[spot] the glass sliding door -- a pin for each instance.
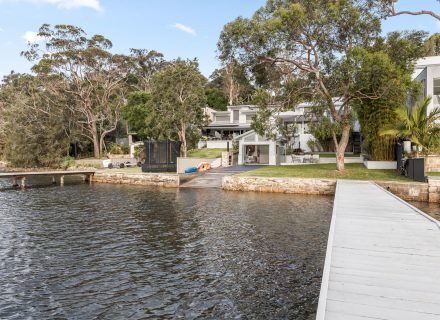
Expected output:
(256, 154)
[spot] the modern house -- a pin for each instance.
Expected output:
(427, 71)
(235, 124)
(225, 126)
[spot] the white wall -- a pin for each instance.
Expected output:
(218, 144)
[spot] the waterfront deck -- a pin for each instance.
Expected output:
(383, 258)
(87, 174)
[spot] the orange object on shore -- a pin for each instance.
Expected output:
(203, 166)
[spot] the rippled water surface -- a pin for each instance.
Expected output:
(433, 209)
(124, 252)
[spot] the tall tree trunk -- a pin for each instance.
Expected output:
(340, 147)
(182, 136)
(103, 135)
(96, 150)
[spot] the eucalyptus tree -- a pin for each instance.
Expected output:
(312, 42)
(177, 100)
(145, 63)
(389, 9)
(89, 73)
(233, 79)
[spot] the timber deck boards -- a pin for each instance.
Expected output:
(383, 258)
(44, 173)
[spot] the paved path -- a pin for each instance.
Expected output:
(383, 258)
(213, 178)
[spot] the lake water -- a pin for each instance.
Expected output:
(432, 209)
(125, 252)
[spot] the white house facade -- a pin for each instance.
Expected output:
(225, 126)
(427, 71)
(235, 124)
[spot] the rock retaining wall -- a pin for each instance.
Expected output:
(432, 164)
(409, 191)
(282, 185)
(143, 179)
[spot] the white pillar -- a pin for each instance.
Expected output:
(62, 181)
(23, 182)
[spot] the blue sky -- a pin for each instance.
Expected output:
(185, 28)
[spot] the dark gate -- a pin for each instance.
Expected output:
(161, 156)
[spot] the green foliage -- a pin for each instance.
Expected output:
(432, 45)
(34, 125)
(323, 130)
(216, 99)
(177, 100)
(314, 145)
(116, 148)
(308, 41)
(67, 162)
(235, 146)
(95, 80)
(417, 125)
(205, 153)
(266, 123)
(233, 81)
(139, 152)
(386, 68)
(137, 112)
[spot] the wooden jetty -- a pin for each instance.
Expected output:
(21, 176)
(383, 258)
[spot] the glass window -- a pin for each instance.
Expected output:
(437, 86)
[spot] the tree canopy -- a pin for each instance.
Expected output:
(315, 44)
(177, 100)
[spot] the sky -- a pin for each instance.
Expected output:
(177, 28)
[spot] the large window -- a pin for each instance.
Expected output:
(436, 90)
(222, 118)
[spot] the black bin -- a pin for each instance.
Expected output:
(416, 169)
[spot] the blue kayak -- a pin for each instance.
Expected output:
(191, 170)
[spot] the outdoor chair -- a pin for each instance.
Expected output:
(296, 158)
(307, 158)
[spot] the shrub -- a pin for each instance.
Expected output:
(116, 149)
(67, 162)
(139, 152)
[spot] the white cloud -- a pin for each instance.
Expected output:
(2, 30)
(65, 4)
(184, 28)
(31, 37)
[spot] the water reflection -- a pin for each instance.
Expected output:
(433, 209)
(107, 251)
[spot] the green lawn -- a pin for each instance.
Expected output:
(354, 171)
(205, 153)
(333, 155)
(433, 174)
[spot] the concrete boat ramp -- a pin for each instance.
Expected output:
(383, 258)
(213, 178)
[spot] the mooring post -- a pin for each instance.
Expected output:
(53, 180)
(23, 182)
(62, 181)
(88, 178)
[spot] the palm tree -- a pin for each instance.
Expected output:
(417, 125)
